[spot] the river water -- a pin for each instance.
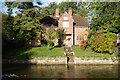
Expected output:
(61, 71)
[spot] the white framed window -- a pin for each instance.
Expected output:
(65, 18)
(65, 24)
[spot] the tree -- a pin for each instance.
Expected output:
(50, 36)
(64, 6)
(103, 42)
(84, 10)
(81, 8)
(20, 5)
(104, 26)
(53, 35)
(77, 8)
(60, 36)
(27, 21)
(27, 25)
(50, 9)
(106, 16)
(7, 26)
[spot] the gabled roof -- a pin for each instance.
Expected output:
(67, 15)
(49, 21)
(79, 20)
(53, 20)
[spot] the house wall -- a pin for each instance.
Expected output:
(67, 29)
(71, 32)
(70, 20)
(80, 31)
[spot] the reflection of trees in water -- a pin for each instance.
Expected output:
(98, 71)
(67, 71)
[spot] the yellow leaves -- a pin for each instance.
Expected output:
(103, 42)
(94, 17)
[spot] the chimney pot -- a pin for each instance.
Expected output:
(70, 11)
(57, 12)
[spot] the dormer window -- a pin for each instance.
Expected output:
(65, 24)
(65, 18)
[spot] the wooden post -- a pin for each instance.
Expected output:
(69, 55)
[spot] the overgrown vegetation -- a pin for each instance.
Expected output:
(103, 42)
(104, 27)
(53, 36)
(26, 25)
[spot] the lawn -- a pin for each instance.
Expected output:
(88, 52)
(57, 51)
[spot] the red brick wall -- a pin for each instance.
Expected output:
(78, 31)
(68, 29)
(60, 25)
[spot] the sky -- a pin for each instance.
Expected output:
(45, 3)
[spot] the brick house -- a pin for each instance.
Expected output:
(73, 24)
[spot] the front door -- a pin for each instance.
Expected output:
(68, 40)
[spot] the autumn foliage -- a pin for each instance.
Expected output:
(103, 42)
(82, 42)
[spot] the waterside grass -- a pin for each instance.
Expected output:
(56, 51)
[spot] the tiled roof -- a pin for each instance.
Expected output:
(79, 20)
(49, 21)
(53, 20)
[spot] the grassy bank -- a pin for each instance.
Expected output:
(57, 51)
(88, 52)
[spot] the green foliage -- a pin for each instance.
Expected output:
(106, 16)
(63, 6)
(80, 8)
(50, 9)
(83, 44)
(28, 24)
(83, 8)
(20, 5)
(60, 36)
(103, 42)
(104, 26)
(50, 36)
(59, 33)
(7, 26)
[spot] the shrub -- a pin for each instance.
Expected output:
(83, 44)
(103, 42)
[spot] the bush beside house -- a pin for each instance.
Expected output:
(103, 42)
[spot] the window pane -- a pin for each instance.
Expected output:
(65, 18)
(65, 24)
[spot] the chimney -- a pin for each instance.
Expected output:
(70, 11)
(57, 12)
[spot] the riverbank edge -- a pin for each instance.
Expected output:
(61, 60)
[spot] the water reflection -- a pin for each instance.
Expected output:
(61, 71)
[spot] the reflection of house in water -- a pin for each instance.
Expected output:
(73, 24)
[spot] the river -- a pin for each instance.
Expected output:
(60, 71)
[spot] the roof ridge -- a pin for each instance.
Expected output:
(81, 17)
